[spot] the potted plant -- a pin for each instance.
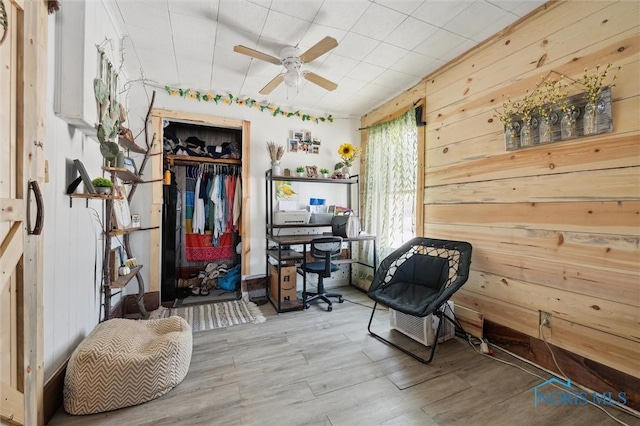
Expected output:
(102, 185)
(300, 171)
(324, 173)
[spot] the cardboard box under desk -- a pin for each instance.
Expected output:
(288, 283)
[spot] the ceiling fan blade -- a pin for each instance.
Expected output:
(255, 54)
(272, 84)
(320, 81)
(319, 49)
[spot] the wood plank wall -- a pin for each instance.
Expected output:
(554, 228)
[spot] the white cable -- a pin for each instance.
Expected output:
(622, 407)
(550, 351)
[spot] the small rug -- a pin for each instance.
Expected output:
(214, 315)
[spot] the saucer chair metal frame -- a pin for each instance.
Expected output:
(443, 267)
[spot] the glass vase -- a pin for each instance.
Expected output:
(545, 130)
(346, 172)
(510, 137)
(526, 136)
(590, 121)
(568, 126)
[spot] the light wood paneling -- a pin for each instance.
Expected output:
(621, 218)
(614, 351)
(610, 151)
(581, 279)
(471, 320)
(616, 318)
(618, 184)
(518, 318)
(618, 252)
(554, 227)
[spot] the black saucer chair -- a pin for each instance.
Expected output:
(325, 249)
(418, 279)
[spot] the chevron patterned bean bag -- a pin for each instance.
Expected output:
(125, 362)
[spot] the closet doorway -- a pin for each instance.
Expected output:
(200, 202)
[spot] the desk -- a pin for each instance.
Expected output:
(281, 253)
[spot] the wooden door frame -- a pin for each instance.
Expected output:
(30, 100)
(155, 240)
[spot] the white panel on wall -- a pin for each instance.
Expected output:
(80, 27)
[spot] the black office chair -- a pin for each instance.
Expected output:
(418, 279)
(325, 248)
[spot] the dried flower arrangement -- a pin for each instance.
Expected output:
(275, 151)
(594, 82)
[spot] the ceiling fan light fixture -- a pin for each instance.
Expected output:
(293, 78)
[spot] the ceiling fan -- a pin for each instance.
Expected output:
(292, 60)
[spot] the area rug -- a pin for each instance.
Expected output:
(214, 315)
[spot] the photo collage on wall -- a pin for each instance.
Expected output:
(302, 141)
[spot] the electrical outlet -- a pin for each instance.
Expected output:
(545, 319)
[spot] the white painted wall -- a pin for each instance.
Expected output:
(73, 246)
(72, 239)
(264, 127)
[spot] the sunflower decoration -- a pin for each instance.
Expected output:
(348, 153)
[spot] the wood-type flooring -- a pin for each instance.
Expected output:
(323, 368)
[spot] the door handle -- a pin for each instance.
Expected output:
(37, 229)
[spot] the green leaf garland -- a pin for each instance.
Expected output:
(230, 99)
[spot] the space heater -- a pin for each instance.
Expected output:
(423, 329)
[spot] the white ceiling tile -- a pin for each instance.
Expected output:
(194, 49)
(195, 8)
(385, 55)
(365, 72)
(440, 12)
(264, 69)
(416, 64)
(228, 37)
(231, 61)
(306, 9)
(284, 28)
(403, 6)
(159, 66)
(146, 39)
(378, 22)
(462, 48)
(396, 80)
(177, 41)
(192, 28)
(526, 7)
(226, 80)
(517, 7)
(355, 46)
(340, 14)
(242, 15)
(341, 65)
(155, 18)
(377, 92)
(495, 27)
(316, 32)
(410, 33)
(194, 74)
(358, 105)
(440, 44)
(467, 23)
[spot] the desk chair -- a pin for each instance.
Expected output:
(324, 248)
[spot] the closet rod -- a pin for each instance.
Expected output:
(185, 160)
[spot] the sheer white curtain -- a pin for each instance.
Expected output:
(390, 180)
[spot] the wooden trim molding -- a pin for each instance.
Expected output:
(584, 371)
(151, 302)
(53, 392)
